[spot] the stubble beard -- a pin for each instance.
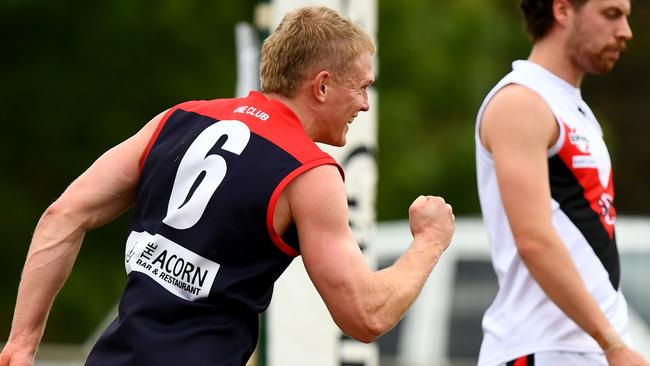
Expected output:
(597, 62)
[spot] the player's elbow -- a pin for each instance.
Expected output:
(55, 212)
(62, 210)
(366, 329)
(373, 328)
(529, 246)
(364, 338)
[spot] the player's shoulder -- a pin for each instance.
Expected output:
(517, 112)
(321, 178)
(316, 195)
(322, 174)
(517, 96)
(516, 102)
(200, 104)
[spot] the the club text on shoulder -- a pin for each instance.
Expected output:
(252, 111)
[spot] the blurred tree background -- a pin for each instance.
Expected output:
(79, 77)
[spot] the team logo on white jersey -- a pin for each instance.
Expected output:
(594, 154)
(581, 141)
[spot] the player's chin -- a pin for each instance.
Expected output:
(603, 68)
(604, 65)
(340, 142)
(341, 139)
(337, 141)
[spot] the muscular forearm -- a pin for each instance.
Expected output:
(99, 195)
(388, 293)
(52, 253)
(363, 303)
(408, 275)
(394, 289)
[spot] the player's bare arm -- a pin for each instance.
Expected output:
(363, 303)
(518, 128)
(95, 198)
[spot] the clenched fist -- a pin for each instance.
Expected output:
(431, 220)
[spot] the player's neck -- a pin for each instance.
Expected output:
(552, 55)
(301, 109)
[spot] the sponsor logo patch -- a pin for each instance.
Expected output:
(177, 269)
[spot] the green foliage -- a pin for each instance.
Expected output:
(437, 60)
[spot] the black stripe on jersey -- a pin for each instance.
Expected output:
(567, 191)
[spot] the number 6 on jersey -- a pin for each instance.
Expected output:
(202, 172)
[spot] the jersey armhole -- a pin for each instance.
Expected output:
(275, 237)
(553, 150)
(477, 133)
(557, 145)
(154, 137)
(480, 148)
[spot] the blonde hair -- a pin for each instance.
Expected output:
(307, 40)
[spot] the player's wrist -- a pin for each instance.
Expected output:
(608, 339)
(428, 245)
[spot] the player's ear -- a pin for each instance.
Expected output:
(562, 11)
(321, 84)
